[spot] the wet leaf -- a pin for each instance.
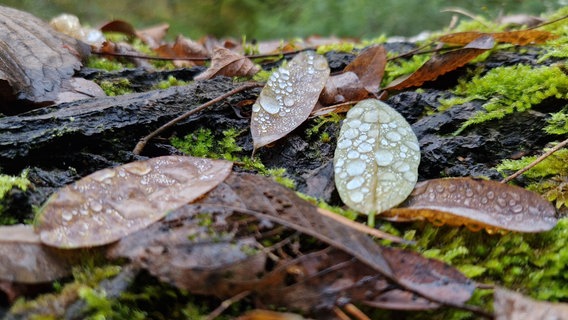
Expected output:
(228, 63)
(26, 260)
(519, 37)
(376, 159)
(240, 194)
(443, 63)
(288, 98)
(476, 204)
(369, 66)
(509, 305)
(112, 203)
(35, 58)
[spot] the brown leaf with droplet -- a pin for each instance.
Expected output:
(443, 63)
(476, 204)
(288, 98)
(519, 37)
(112, 203)
(510, 305)
(369, 66)
(26, 260)
(35, 58)
(228, 63)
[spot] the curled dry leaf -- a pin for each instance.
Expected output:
(183, 48)
(376, 159)
(509, 305)
(476, 204)
(444, 63)
(341, 88)
(519, 37)
(35, 58)
(25, 259)
(369, 66)
(228, 63)
(111, 203)
(288, 98)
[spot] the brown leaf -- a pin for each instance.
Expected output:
(183, 48)
(509, 305)
(444, 63)
(519, 37)
(119, 26)
(78, 89)
(26, 259)
(112, 203)
(259, 314)
(476, 204)
(341, 88)
(288, 98)
(153, 36)
(369, 66)
(35, 58)
(228, 63)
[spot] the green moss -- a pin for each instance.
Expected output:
(170, 82)
(511, 89)
(7, 183)
(558, 122)
(203, 143)
(107, 64)
(549, 177)
(401, 67)
(321, 122)
(116, 88)
(341, 46)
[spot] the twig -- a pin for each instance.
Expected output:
(356, 312)
(537, 161)
(142, 143)
(227, 303)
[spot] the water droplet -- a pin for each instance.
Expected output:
(469, 192)
(365, 147)
(490, 195)
(355, 183)
(96, 206)
(383, 157)
(288, 101)
(371, 116)
(517, 209)
(344, 143)
(102, 175)
(356, 196)
(351, 134)
(393, 136)
(355, 168)
(67, 216)
(138, 168)
(271, 108)
(352, 154)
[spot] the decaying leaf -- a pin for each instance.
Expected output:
(26, 260)
(509, 305)
(183, 48)
(444, 63)
(35, 58)
(111, 203)
(476, 204)
(369, 66)
(209, 247)
(519, 37)
(376, 159)
(288, 98)
(228, 63)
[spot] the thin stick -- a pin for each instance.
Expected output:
(142, 143)
(227, 303)
(356, 312)
(537, 161)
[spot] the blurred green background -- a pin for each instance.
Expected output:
(270, 19)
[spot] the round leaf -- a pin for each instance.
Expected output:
(111, 203)
(376, 159)
(288, 98)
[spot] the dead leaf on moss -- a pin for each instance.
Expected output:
(476, 204)
(35, 58)
(341, 88)
(183, 48)
(26, 259)
(519, 37)
(443, 63)
(509, 305)
(228, 63)
(112, 203)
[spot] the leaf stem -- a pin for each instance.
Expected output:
(537, 161)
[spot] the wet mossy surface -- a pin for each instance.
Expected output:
(488, 147)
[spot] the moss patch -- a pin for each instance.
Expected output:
(7, 183)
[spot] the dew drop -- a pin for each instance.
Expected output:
(271, 108)
(365, 147)
(383, 157)
(393, 136)
(355, 168)
(517, 209)
(352, 154)
(138, 168)
(356, 196)
(351, 134)
(355, 183)
(371, 116)
(67, 216)
(96, 206)
(288, 101)
(102, 175)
